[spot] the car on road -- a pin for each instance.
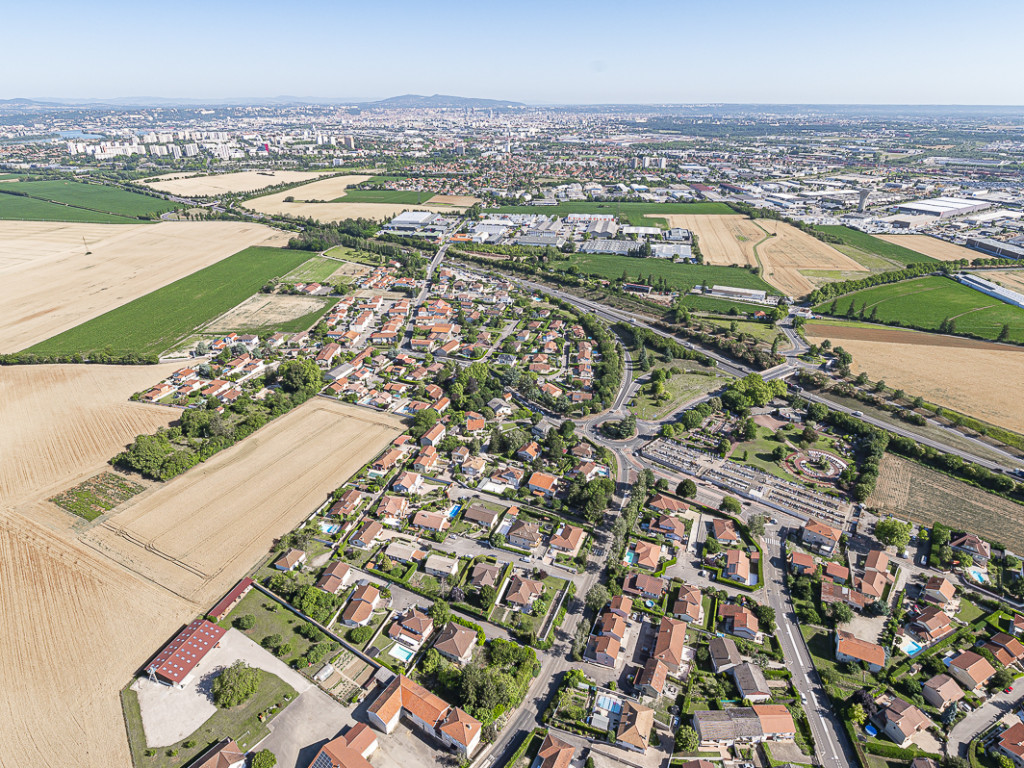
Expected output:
(525, 559)
(1008, 689)
(803, 698)
(857, 413)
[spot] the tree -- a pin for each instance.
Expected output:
(765, 618)
(235, 684)
(1002, 679)
(855, 714)
(271, 641)
(893, 533)
(756, 525)
(301, 375)
(359, 635)
(487, 594)
(686, 489)
(808, 436)
(712, 547)
(842, 613)
(423, 421)
(439, 612)
(730, 505)
(1004, 761)
(596, 597)
(687, 739)
(248, 621)
(264, 759)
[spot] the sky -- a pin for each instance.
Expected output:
(553, 52)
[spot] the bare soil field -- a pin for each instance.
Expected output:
(75, 628)
(465, 200)
(901, 336)
(790, 251)
(51, 280)
(932, 246)
(332, 189)
(970, 379)
(263, 310)
(914, 492)
(723, 240)
(219, 184)
(1008, 278)
(61, 423)
(198, 533)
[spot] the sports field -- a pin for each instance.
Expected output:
(16, 207)
(156, 321)
(55, 276)
(680, 277)
(932, 247)
(863, 245)
(96, 197)
(638, 214)
(223, 183)
(926, 302)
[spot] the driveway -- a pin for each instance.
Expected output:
(312, 720)
(975, 722)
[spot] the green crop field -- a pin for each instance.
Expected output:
(680, 277)
(872, 246)
(636, 213)
(16, 207)
(393, 196)
(317, 269)
(926, 301)
(95, 197)
(156, 321)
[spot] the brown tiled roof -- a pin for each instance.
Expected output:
(976, 666)
(668, 647)
(403, 693)
(555, 753)
(862, 650)
(523, 591)
(455, 640)
(460, 726)
(775, 718)
(635, 724)
(654, 674)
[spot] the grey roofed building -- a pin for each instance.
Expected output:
(541, 240)
(603, 245)
(751, 682)
(740, 724)
(724, 653)
(671, 250)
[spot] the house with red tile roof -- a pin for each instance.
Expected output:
(426, 711)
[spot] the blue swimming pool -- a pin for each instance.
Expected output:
(454, 511)
(979, 574)
(910, 647)
(630, 557)
(330, 528)
(401, 653)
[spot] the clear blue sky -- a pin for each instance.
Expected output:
(893, 52)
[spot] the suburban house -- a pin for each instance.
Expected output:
(529, 452)
(554, 753)
(613, 625)
(522, 592)
(941, 691)
(435, 522)
(524, 535)
(901, 721)
(876, 561)
(385, 463)
(290, 560)
(651, 678)
(670, 643)
(481, 515)
(646, 554)
(724, 531)
(1011, 743)
(543, 483)
(403, 552)
(824, 537)
(411, 628)
(979, 550)
(659, 502)
(426, 711)
(352, 750)
(361, 606)
(393, 510)
(751, 683)
(567, 538)
(840, 574)
(854, 650)
(837, 593)
(621, 605)
(334, 577)
(670, 527)
(931, 624)
(367, 534)
(724, 654)
(1012, 649)
(603, 649)
(971, 670)
(347, 504)
(739, 620)
(456, 643)
(635, 725)
(939, 590)
(440, 566)
(802, 563)
(485, 575)
(474, 466)
(224, 754)
(689, 605)
(408, 482)
(737, 567)
(427, 460)
(644, 585)
(744, 725)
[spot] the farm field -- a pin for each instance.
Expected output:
(50, 283)
(862, 243)
(264, 312)
(199, 532)
(1008, 278)
(925, 302)
(680, 277)
(638, 214)
(15, 207)
(317, 269)
(464, 200)
(224, 183)
(723, 240)
(932, 247)
(155, 322)
(911, 491)
(394, 196)
(789, 252)
(970, 380)
(96, 197)
(61, 423)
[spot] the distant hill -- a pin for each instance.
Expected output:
(437, 101)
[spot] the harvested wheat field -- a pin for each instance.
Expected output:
(198, 533)
(221, 183)
(50, 280)
(908, 490)
(932, 246)
(723, 240)
(1008, 278)
(61, 423)
(464, 200)
(75, 628)
(789, 252)
(265, 310)
(970, 379)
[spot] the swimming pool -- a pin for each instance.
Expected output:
(630, 557)
(910, 647)
(330, 528)
(979, 574)
(609, 704)
(401, 653)
(454, 511)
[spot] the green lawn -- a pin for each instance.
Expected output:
(158, 320)
(317, 269)
(16, 207)
(925, 302)
(680, 388)
(393, 196)
(271, 619)
(350, 254)
(968, 611)
(638, 214)
(760, 331)
(872, 245)
(96, 197)
(240, 723)
(759, 455)
(680, 277)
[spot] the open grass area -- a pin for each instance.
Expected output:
(241, 723)
(394, 196)
(679, 389)
(351, 254)
(867, 244)
(271, 619)
(20, 208)
(158, 320)
(636, 213)
(317, 269)
(926, 302)
(679, 277)
(96, 197)
(759, 454)
(760, 331)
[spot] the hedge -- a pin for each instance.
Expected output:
(883, 749)
(481, 638)
(527, 741)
